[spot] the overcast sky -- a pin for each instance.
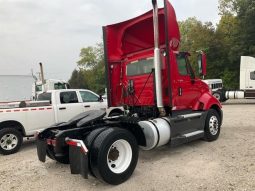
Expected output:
(54, 31)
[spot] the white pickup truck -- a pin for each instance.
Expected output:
(25, 121)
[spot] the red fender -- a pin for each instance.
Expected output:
(206, 101)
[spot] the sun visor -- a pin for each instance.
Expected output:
(136, 34)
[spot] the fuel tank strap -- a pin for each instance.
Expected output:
(157, 132)
(166, 121)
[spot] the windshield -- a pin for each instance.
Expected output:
(44, 97)
(38, 88)
(184, 66)
(139, 67)
(58, 86)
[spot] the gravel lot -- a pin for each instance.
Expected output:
(226, 164)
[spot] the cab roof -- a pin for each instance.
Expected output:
(136, 34)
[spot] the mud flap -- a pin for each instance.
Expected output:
(78, 161)
(84, 166)
(41, 149)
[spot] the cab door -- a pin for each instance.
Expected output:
(251, 79)
(187, 88)
(68, 106)
(92, 101)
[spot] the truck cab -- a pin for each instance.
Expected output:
(136, 82)
(131, 74)
(51, 84)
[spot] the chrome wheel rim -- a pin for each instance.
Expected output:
(9, 142)
(119, 156)
(213, 125)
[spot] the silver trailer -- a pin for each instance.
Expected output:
(247, 83)
(16, 87)
(247, 80)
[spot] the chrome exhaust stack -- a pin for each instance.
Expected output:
(157, 65)
(42, 73)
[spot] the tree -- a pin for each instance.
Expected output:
(73, 81)
(237, 32)
(246, 15)
(228, 7)
(91, 70)
(228, 33)
(202, 36)
(78, 80)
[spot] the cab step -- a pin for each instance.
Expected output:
(185, 117)
(188, 137)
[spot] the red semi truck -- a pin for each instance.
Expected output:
(163, 100)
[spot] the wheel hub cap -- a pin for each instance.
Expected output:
(119, 156)
(8, 142)
(213, 125)
(113, 154)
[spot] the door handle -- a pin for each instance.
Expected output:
(180, 91)
(86, 105)
(62, 108)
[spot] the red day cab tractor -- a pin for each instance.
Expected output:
(164, 102)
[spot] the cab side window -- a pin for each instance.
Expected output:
(88, 96)
(252, 75)
(182, 65)
(68, 97)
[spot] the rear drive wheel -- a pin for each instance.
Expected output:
(212, 125)
(89, 140)
(114, 155)
(10, 141)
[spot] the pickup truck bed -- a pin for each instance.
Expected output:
(62, 105)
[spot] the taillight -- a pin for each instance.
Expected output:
(77, 143)
(52, 142)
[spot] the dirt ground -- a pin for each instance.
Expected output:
(226, 164)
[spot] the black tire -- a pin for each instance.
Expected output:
(49, 154)
(218, 95)
(212, 125)
(106, 145)
(12, 138)
(223, 95)
(89, 140)
(61, 159)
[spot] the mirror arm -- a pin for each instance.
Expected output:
(100, 98)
